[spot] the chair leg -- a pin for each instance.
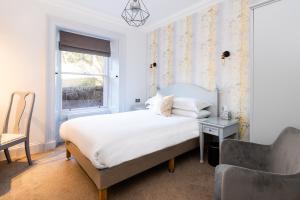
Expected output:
(27, 149)
(7, 155)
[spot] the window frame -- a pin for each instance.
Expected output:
(105, 75)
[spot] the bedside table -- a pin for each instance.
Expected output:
(138, 107)
(217, 127)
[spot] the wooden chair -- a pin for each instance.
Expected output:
(17, 123)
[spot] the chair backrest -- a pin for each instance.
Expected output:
(19, 113)
(286, 152)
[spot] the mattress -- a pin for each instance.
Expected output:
(112, 139)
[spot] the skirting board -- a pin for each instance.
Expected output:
(18, 151)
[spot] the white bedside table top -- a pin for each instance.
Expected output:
(218, 122)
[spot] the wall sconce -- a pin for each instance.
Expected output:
(225, 55)
(153, 65)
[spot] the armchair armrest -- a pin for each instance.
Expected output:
(236, 183)
(245, 154)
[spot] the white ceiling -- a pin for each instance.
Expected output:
(159, 9)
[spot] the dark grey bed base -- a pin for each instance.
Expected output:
(105, 178)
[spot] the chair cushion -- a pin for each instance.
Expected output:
(7, 138)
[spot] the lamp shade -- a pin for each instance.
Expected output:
(135, 13)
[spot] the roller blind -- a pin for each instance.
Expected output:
(84, 44)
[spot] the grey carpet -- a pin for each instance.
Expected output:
(52, 177)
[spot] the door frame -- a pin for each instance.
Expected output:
(254, 4)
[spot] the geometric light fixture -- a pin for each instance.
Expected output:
(135, 13)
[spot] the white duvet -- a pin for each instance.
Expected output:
(109, 140)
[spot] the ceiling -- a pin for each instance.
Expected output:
(159, 9)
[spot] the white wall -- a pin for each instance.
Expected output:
(24, 38)
(276, 70)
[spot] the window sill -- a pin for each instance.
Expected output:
(71, 114)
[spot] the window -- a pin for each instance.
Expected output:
(84, 71)
(84, 79)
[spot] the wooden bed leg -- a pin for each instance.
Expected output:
(103, 194)
(68, 154)
(171, 165)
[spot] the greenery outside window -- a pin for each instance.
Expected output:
(84, 80)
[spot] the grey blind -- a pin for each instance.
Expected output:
(84, 44)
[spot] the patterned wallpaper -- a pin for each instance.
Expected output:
(189, 51)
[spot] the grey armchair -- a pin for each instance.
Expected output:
(250, 171)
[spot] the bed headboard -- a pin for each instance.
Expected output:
(194, 91)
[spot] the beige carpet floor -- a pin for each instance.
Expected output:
(53, 178)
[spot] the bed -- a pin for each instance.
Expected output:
(122, 145)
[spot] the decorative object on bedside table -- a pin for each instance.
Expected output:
(218, 127)
(138, 107)
(226, 114)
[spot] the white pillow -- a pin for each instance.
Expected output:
(190, 104)
(151, 101)
(200, 115)
(162, 105)
(155, 103)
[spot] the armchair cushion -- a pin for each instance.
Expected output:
(240, 183)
